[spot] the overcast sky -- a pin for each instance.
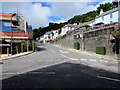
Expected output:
(39, 14)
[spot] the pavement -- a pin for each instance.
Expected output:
(91, 54)
(52, 67)
(64, 75)
(15, 56)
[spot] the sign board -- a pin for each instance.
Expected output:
(81, 35)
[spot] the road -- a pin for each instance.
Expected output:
(51, 67)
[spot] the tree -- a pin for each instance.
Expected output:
(115, 3)
(86, 26)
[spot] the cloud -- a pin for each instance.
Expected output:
(36, 14)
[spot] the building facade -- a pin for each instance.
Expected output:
(14, 35)
(110, 16)
(66, 28)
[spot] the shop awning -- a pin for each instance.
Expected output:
(4, 44)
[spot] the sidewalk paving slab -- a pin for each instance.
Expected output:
(15, 56)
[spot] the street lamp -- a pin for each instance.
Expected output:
(12, 30)
(119, 23)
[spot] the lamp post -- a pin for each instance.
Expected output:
(12, 30)
(119, 24)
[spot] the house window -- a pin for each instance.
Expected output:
(111, 15)
(111, 21)
(103, 18)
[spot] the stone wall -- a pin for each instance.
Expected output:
(93, 37)
(99, 38)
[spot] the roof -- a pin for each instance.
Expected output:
(69, 25)
(108, 12)
(47, 33)
(86, 23)
(6, 16)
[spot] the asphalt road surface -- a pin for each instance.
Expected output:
(51, 67)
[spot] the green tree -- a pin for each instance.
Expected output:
(86, 26)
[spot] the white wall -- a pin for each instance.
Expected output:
(107, 19)
(115, 16)
(98, 20)
(65, 29)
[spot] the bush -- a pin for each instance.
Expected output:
(116, 33)
(76, 45)
(101, 50)
(86, 26)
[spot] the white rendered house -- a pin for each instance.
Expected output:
(66, 28)
(107, 17)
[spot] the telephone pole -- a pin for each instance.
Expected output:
(119, 24)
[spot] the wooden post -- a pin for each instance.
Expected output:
(27, 46)
(33, 45)
(8, 51)
(21, 46)
(16, 49)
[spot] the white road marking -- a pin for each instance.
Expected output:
(114, 62)
(103, 61)
(63, 51)
(106, 61)
(108, 78)
(93, 60)
(83, 59)
(74, 58)
(53, 51)
(69, 57)
(64, 55)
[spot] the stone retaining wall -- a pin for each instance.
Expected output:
(93, 37)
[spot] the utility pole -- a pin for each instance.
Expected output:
(119, 13)
(119, 24)
(82, 37)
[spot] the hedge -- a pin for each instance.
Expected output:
(76, 45)
(101, 50)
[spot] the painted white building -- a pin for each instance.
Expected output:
(41, 38)
(48, 36)
(91, 23)
(66, 28)
(55, 33)
(107, 17)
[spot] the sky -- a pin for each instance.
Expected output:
(40, 14)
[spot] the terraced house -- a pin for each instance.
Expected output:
(15, 35)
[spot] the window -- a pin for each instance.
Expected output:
(7, 24)
(103, 18)
(111, 15)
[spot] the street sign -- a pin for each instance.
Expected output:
(81, 35)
